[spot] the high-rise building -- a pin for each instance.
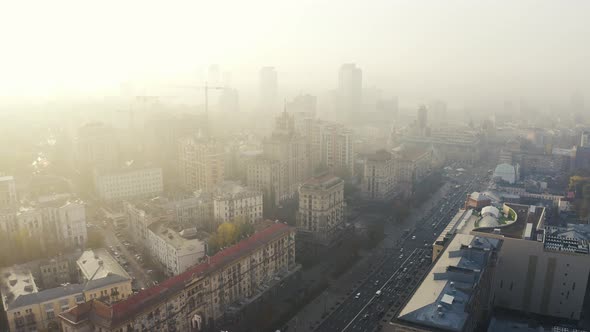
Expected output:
(321, 209)
(584, 139)
(378, 182)
(288, 147)
(267, 175)
(268, 89)
(350, 87)
(201, 163)
(422, 121)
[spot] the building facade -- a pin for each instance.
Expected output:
(321, 214)
(232, 201)
(54, 220)
(198, 299)
(29, 308)
(378, 182)
(129, 182)
(201, 163)
(267, 176)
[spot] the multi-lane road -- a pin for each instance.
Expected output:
(383, 292)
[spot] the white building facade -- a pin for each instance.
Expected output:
(129, 183)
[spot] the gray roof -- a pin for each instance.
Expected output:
(46, 295)
(440, 301)
(105, 281)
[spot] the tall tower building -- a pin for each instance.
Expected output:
(268, 89)
(350, 87)
(201, 163)
(422, 121)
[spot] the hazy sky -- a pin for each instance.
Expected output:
(431, 49)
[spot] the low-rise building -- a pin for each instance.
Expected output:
(128, 182)
(477, 201)
(196, 300)
(175, 251)
(31, 308)
(50, 220)
(456, 293)
(233, 201)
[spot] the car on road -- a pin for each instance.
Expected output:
(376, 282)
(378, 293)
(413, 237)
(357, 296)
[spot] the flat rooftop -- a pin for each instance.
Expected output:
(441, 300)
(173, 238)
(98, 263)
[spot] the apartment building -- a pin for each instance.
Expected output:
(196, 300)
(176, 251)
(378, 182)
(128, 182)
(233, 201)
(172, 244)
(411, 165)
(267, 175)
(7, 191)
(201, 163)
(57, 219)
(34, 306)
(290, 149)
(321, 214)
(337, 147)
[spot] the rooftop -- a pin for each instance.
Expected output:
(325, 181)
(16, 282)
(231, 189)
(188, 243)
(572, 238)
(146, 298)
(98, 263)
(379, 155)
(442, 299)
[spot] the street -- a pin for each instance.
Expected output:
(398, 267)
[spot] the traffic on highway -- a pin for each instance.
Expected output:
(398, 271)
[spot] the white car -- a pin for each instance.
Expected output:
(378, 293)
(413, 237)
(357, 296)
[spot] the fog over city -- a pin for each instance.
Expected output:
(328, 166)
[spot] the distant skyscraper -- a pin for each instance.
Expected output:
(584, 140)
(350, 87)
(268, 89)
(422, 119)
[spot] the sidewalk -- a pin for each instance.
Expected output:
(314, 312)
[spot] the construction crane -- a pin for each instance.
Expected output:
(143, 100)
(205, 89)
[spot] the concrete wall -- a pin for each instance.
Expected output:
(530, 279)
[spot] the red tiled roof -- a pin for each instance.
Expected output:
(153, 295)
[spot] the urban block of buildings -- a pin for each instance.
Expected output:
(221, 287)
(58, 220)
(36, 293)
